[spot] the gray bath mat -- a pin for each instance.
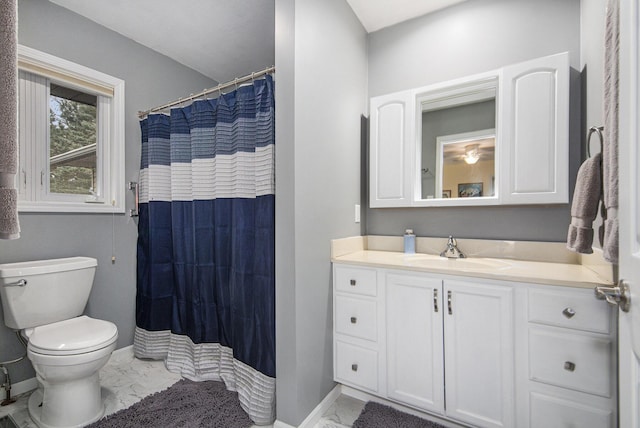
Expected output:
(184, 404)
(376, 415)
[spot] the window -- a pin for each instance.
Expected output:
(71, 127)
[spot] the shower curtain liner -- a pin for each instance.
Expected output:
(206, 271)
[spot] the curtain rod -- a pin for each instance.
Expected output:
(235, 82)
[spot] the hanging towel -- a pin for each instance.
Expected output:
(9, 227)
(610, 147)
(584, 207)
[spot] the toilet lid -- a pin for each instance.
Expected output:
(74, 336)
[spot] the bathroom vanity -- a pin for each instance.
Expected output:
(482, 341)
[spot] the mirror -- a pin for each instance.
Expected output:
(457, 146)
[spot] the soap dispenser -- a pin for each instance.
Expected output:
(409, 242)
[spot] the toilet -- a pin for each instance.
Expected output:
(45, 300)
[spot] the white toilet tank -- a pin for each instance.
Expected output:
(45, 291)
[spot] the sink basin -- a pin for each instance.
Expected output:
(436, 262)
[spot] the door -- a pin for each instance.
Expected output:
(415, 372)
(629, 214)
(392, 142)
(534, 131)
(478, 331)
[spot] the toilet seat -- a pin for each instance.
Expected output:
(74, 336)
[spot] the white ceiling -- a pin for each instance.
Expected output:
(224, 39)
(377, 14)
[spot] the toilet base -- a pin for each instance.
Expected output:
(69, 405)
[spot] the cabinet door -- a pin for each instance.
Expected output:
(478, 331)
(392, 146)
(534, 131)
(415, 373)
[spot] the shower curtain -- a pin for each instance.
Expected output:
(206, 271)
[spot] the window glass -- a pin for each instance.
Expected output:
(71, 133)
(72, 141)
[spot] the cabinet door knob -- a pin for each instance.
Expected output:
(352, 282)
(569, 366)
(354, 367)
(568, 312)
(353, 320)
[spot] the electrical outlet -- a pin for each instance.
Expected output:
(357, 213)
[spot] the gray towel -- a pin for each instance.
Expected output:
(610, 147)
(584, 207)
(9, 228)
(8, 89)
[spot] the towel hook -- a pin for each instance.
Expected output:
(598, 130)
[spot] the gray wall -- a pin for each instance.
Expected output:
(592, 70)
(322, 91)
(450, 121)
(468, 38)
(150, 79)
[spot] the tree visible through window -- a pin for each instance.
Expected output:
(72, 137)
(71, 133)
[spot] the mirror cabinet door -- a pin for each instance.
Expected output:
(500, 137)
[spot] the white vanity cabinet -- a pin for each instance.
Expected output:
(568, 372)
(479, 353)
(458, 330)
(356, 311)
(483, 352)
(415, 359)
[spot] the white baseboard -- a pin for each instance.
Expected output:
(125, 350)
(314, 417)
(21, 387)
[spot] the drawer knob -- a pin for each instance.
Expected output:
(352, 282)
(569, 366)
(354, 320)
(354, 367)
(568, 312)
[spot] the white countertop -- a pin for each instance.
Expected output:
(565, 274)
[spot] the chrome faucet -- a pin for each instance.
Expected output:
(452, 250)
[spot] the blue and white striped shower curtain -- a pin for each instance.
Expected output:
(206, 271)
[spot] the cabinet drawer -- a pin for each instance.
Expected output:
(572, 309)
(356, 280)
(554, 412)
(356, 366)
(356, 317)
(575, 361)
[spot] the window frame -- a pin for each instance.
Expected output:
(34, 195)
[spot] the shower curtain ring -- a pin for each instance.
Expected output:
(235, 83)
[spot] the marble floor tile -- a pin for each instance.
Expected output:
(342, 413)
(126, 380)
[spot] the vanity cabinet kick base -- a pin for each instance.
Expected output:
(495, 344)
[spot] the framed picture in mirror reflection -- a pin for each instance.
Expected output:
(469, 190)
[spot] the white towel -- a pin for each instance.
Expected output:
(610, 147)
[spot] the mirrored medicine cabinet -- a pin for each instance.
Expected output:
(499, 137)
